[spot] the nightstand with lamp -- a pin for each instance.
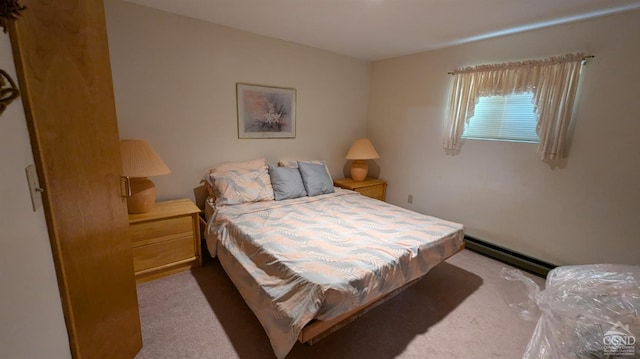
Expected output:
(362, 150)
(165, 236)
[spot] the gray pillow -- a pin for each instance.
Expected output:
(286, 183)
(315, 178)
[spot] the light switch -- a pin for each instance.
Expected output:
(34, 187)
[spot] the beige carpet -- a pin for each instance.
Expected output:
(457, 311)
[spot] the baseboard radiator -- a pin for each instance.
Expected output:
(508, 256)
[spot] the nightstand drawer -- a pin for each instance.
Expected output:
(165, 240)
(373, 192)
(145, 233)
(163, 253)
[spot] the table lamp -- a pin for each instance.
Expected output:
(361, 150)
(140, 161)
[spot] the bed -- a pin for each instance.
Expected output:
(308, 265)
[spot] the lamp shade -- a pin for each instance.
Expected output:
(362, 149)
(140, 160)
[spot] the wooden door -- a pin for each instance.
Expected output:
(60, 51)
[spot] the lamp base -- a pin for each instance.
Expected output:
(143, 195)
(359, 170)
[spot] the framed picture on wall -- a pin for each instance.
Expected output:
(266, 111)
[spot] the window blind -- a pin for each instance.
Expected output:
(503, 118)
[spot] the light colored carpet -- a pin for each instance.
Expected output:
(457, 311)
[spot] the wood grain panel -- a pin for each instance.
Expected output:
(167, 252)
(159, 239)
(149, 232)
(373, 192)
(177, 207)
(60, 51)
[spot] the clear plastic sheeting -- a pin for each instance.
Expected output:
(585, 311)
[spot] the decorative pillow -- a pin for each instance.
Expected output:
(286, 182)
(207, 180)
(241, 186)
(315, 178)
(294, 164)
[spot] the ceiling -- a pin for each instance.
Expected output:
(379, 29)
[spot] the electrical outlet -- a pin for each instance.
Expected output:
(410, 199)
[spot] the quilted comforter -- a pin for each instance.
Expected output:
(318, 257)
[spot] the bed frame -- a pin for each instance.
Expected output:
(316, 330)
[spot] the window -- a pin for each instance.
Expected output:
(553, 82)
(503, 118)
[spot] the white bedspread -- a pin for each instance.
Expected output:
(319, 257)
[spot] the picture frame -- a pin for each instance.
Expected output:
(266, 111)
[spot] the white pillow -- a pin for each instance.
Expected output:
(242, 186)
(208, 181)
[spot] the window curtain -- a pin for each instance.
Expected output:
(553, 82)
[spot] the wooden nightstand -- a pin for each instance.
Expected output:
(370, 187)
(165, 240)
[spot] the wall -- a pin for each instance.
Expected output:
(175, 77)
(30, 308)
(586, 212)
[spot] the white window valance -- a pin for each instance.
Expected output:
(553, 82)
